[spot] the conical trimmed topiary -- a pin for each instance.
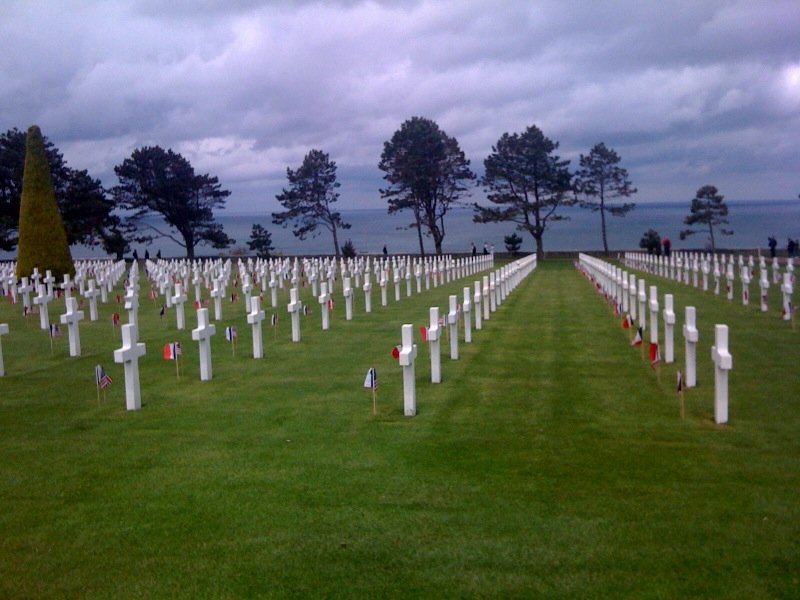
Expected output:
(42, 239)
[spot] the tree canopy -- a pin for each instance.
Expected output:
(42, 239)
(527, 182)
(310, 198)
(260, 241)
(86, 210)
(427, 173)
(600, 179)
(651, 241)
(708, 209)
(154, 181)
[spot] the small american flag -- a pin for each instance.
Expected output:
(101, 378)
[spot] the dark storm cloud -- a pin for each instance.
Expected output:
(688, 92)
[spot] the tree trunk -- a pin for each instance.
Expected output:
(539, 246)
(419, 232)
(188, 239)
(711, 235)
(335, 240)
(603, 223)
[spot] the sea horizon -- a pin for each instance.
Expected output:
(752, 221)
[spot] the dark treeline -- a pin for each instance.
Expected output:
(525, 183)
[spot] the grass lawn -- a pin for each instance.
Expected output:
(550, 462)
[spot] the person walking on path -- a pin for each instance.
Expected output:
(772, 243)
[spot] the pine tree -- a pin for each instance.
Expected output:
(42, 238)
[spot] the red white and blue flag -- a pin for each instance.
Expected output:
(371, 380)
(230, 333)
(172, 351)
(101, 378)
(637, 339)
(655, 354)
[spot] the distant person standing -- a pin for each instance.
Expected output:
(667, 246)
(773, 244)
(385, 251)
(790, 248)
(474, 249)
(486, 248)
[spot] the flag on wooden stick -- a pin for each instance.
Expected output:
(371, 382)
(655, 354)
(637, 339)
(101, 378)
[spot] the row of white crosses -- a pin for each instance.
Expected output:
(614, 283)
(490, 292)
(72, 317)
(679, 264)
(217, 274)
(273, 273)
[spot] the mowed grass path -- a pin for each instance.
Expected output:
(551, 461)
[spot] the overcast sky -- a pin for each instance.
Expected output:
(688, 93)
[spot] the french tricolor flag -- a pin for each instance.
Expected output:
(655, 355)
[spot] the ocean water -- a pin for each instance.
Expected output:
(751, 221)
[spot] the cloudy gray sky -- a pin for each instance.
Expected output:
(688, 92)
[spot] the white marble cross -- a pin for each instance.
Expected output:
(129, 356)
(776, 271)
(217, 293)
(294, 307)
(323, 299)
(196, 283)
(396, 286)
(202, 334)
(132, 305)
(654, 315)
(367, 293)
(42, 299)
(408, 354)
(669, 329)
(492, 291)
(787, 289)
(745, 285)
(452, 323)
(485, 297)
(255, 317)
(435, 345)
(92, 293)
(347, 292)
(247, 290)
(383, 288)
(691, 337)
(763, 283)
(67, 286)
(705, 269)
(632, 293)
(476, 299)
(3, 331)
(467, 308)
(49, 280)
(642, 297)
(71, 319)
(729, 279)
(25, 290)
(273, 288)
(179, 300)
(723, 362)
